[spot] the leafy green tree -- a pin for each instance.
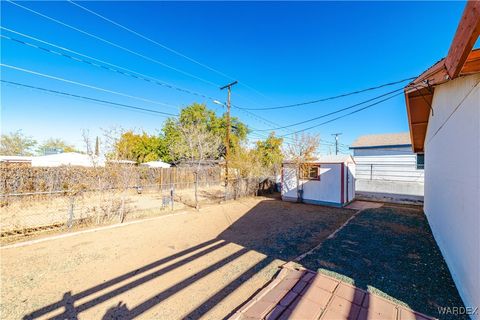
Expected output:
(16, 144)
(199, 114)
(55, 143)
(270, 152)
(139, 147)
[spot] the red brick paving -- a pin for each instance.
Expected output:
(306, 295)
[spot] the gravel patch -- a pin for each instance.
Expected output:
(390, 251)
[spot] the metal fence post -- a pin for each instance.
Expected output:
(122, 208)
(172, 190)
(70, 212)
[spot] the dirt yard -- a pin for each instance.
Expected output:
(29, 212)
(188, 265)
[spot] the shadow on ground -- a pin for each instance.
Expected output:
(277, 229)
(390, 249)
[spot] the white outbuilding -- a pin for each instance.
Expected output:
(156, 164)
(330, 180)
(67, 159)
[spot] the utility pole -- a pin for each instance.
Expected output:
(336, 141)
(227, 139)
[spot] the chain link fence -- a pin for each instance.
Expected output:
(33, 200)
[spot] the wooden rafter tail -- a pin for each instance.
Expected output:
(465, 37)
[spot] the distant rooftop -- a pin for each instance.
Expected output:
(382, 140)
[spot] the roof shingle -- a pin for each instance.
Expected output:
(381, 140)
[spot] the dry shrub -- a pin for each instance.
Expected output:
(21, 179)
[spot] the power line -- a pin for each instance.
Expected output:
(84, 85)
(345, 115)
(164, 46)
(90, 98)
(339, 110)
(292, 141)
(151, 40)
(117, 69)
(333, 97)
(114, 44)
(262, 119)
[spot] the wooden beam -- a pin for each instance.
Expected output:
(420, 123)
(465, 37)
(473, 63)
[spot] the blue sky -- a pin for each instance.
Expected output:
(288, 52)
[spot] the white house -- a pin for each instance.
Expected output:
(66, 159)
(443, 106)
(387, 168)
(156, 164)
(329, 181)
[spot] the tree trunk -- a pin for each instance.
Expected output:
(197, 207)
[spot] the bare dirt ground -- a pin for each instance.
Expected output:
(191, 265)
(30, 212)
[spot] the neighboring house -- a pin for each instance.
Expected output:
(66, 159)
(387, 168)
(156, 164)
(443, 106)
(329, 181)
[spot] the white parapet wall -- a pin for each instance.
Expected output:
(452, 181)
(389, 174)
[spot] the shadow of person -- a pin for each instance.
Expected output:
(120, 311)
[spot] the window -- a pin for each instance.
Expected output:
(420, 161)
(310, 172)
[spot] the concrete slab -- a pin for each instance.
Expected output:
(362, 205)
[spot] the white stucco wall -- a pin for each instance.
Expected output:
(452, 181)
(327, 189)
(350, 170)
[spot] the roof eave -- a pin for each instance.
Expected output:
(460, 61)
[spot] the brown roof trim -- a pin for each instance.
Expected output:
(460, 61)
(419, 96)
(465, 37)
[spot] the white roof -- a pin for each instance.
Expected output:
(15, 159)
(336, 158)
(67, 159)
(156, 164)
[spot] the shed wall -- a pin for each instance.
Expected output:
(327, 190)
(452, 181)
